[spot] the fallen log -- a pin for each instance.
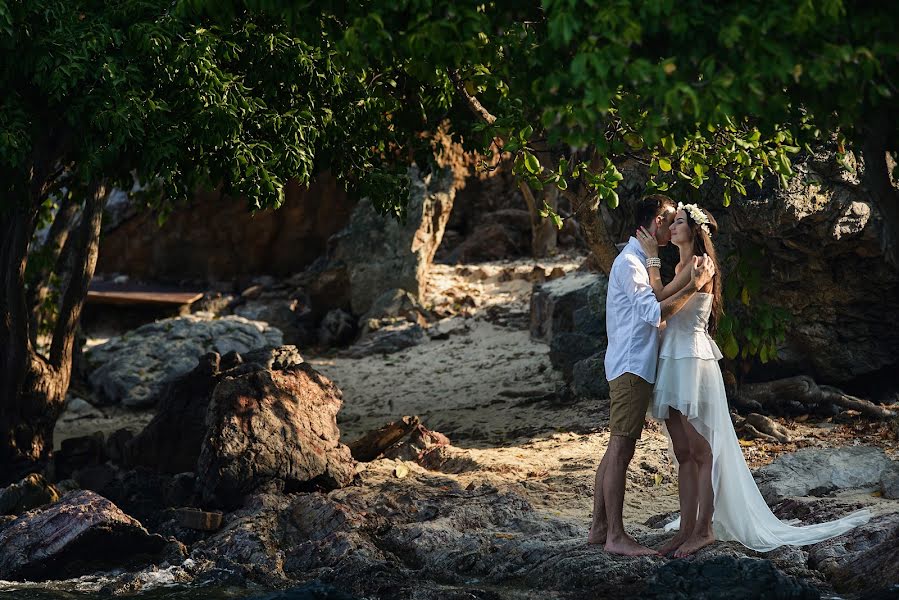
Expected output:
(371, 445)
(784, 395)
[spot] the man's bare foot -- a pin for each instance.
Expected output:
(693, 544)
(596, 536)
(674, 543)
(628, 546)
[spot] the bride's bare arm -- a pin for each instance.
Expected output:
(651, 248)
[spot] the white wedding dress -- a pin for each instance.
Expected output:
(689, 379)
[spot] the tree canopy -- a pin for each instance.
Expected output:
(708, 89)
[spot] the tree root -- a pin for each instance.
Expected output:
(801, 394)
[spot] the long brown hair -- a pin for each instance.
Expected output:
(702, 244)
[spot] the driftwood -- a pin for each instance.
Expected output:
(756, 426)
(372, 444)
(802, 394)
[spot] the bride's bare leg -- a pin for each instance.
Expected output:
(701, 534)
(687, 480)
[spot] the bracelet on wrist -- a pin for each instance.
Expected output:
(654, 262)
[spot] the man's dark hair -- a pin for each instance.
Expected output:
(650, 207)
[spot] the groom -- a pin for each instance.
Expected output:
(633, 317)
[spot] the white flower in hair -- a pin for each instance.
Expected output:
(697, 215)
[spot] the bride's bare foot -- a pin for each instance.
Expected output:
(694, 543)
(674, 543)
(628, 546)
(596, 536)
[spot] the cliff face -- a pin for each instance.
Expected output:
(217, 238)
(823, 247)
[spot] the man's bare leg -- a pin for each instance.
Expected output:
(619, 454)
(599, 525)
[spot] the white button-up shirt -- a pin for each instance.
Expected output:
(633, 316)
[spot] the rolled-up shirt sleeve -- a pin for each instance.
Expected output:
(634, 280)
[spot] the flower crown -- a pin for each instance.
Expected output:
(697, 215)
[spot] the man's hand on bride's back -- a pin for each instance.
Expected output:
(702, 271)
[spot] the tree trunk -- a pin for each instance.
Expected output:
(876, 179)
(544, 234)
(33, 387)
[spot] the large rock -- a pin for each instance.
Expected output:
(822, 470)
(428, 538)
(219, 239)
(81, 533)
(272, 426)
(171, 442)
(863, 559)
(380, 253)
(588, 377)
(31, 492)
(569, 313)
(725, 578)
(554, 303)
(134, 368)
(492, 241)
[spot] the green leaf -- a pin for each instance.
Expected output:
(531, 162)
(612, 199)
(744, 296)
(730, 349)
(557, 220)
(665, 164)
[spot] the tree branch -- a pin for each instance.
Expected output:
(84, 261)
(473, 103)
(38, 287)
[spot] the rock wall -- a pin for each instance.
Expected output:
(823, 264)
(217, 238)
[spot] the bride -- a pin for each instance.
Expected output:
(718, 496)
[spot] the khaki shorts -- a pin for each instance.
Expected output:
(630, 396)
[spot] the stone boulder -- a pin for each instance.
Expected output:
(491, 241)
(134, 368)
(171, 442)
(379, 253)
(588, 377)
(554, 303)
(31, 492)
(725, 578)
(291, 316)
(217, 238)
(267, 426)
(569, 313)
(824, 265)
(338, 328)
(811, 471)
(429, 538)
(864, 559)
(391, 305)
(81, 533)
(390, 337)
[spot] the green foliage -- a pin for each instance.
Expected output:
(109, 91)
(750, 328)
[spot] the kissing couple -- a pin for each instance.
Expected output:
(662, 362)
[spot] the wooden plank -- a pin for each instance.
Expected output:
(124, 297)
(137, 294)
